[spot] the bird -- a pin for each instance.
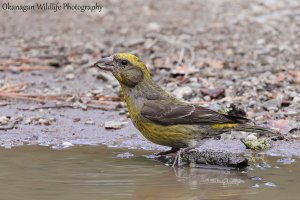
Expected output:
(164, 119)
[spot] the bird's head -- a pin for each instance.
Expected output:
(128, 69)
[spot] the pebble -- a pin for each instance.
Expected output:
(89, 122)
(53, 62)
(114, 124)
(44, 122)
(273, 104)
(214, 93)
(207, 98)
(183, 92)
(4, 120)
(68, 68)
(153, 27)
(27, 121)
(251, 137)
(67, 144)
(70, 76)
(77, 119)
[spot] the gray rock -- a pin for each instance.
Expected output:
(89, 122)
(4, 120)
(114, 124)
(183, 92)
(69, 68)
(195, 158)
(70, 76)
(153, 27)
(273, 104)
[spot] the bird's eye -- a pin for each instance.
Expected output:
(124, 62)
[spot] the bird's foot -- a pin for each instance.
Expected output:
(162, 153)
(178, 156)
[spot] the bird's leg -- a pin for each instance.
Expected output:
(162, 153)
(177, 160)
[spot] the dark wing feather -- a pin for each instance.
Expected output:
(164, 112)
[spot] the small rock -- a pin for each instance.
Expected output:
(273, 104)
(53, 62)
(183, 92)
(97, 91)
(77, 119)
(27, 121)
(251, 137)
(89, 122)
(207, 98)
(78, 104)
(114, 124)
(68, 68)
(123, 111)
(4, 120)
(44, 122)
(67, 144)
(70, 76)
(296, 137)
(153, 27)
(214, 93)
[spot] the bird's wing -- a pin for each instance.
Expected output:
(169, 113)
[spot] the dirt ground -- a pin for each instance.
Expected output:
(212, 53)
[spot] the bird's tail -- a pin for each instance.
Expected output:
(261, 131)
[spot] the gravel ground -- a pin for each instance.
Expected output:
(215, 53)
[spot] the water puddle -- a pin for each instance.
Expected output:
(106, 173)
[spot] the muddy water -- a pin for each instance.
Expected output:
(102, 173)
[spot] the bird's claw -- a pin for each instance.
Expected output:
(177, 160)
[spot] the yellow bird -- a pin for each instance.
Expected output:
(162, 118)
